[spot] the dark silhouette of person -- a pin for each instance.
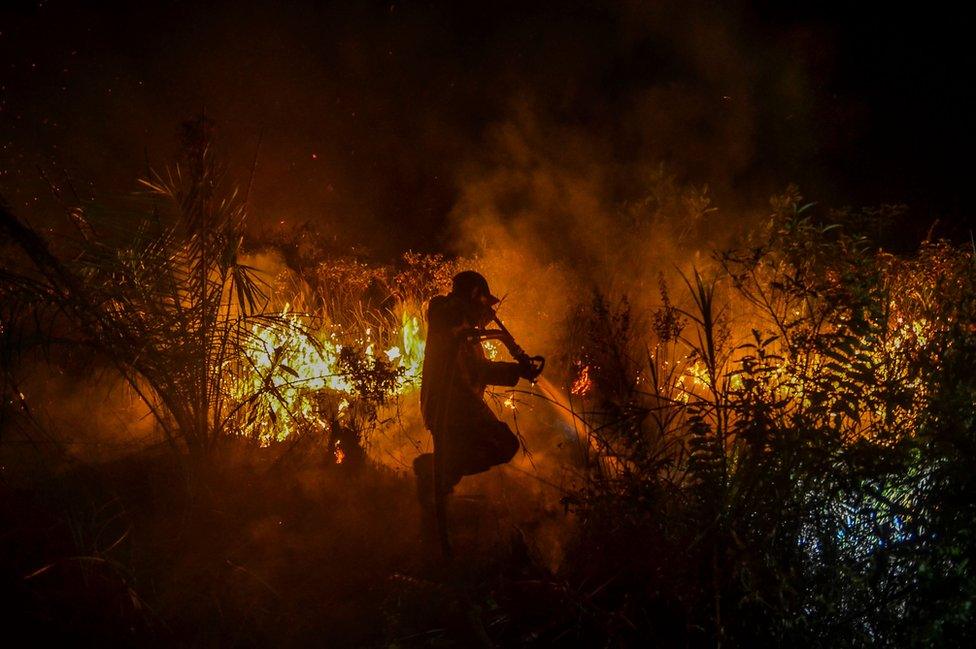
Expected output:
(468, 438)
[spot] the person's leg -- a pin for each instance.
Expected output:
(487, 444)
(448, 448)
(503, 445)
(442, 466)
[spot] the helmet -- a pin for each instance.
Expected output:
(468, 281)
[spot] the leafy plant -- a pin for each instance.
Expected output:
(161, 293)
(804, 457)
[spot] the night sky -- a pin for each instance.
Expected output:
(372, 117)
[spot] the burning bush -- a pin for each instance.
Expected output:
(166, 297)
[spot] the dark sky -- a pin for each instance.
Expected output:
(373, 116)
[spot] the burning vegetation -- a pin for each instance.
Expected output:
(774, 447)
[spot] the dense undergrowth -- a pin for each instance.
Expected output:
(788, 460)
(780, 453)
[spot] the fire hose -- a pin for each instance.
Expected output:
(535, 364)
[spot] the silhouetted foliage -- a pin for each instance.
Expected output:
(798, 475)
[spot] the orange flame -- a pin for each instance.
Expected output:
(583, 383)
(291, 366)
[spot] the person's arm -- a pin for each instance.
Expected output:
(498, 372)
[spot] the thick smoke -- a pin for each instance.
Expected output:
(557, 204)
(566, 194)
(563, 149)
(91, 414)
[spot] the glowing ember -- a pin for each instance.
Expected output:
(583, 384)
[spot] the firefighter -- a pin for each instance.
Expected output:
(468, 438)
